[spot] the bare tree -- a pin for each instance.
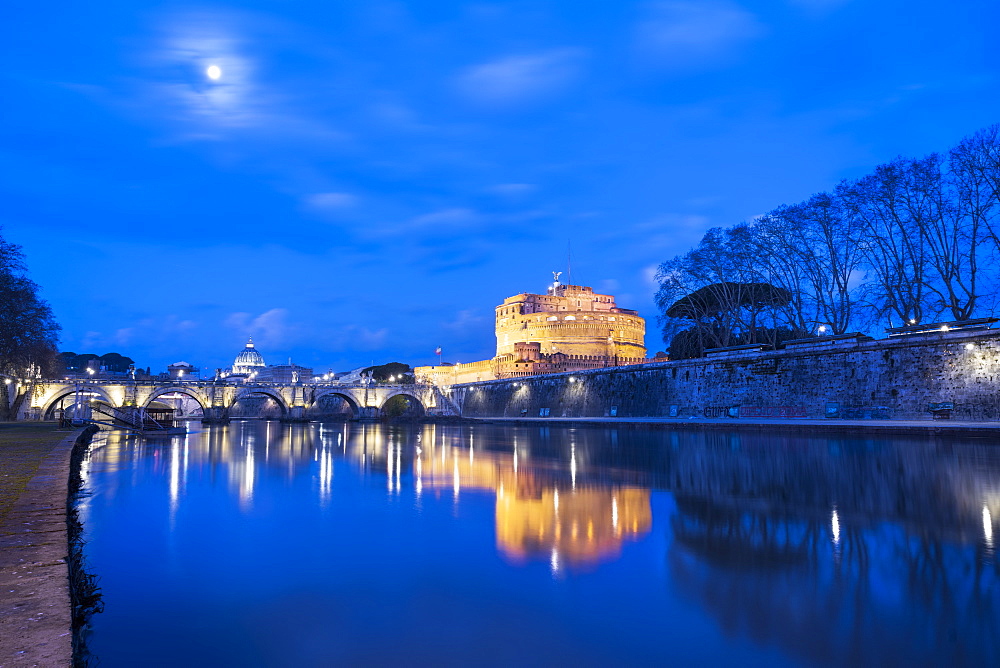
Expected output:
(818, 245)
(714, 295)
(908, 243)
(975, 168)
(894, 253)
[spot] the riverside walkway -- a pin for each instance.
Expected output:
(35, 620)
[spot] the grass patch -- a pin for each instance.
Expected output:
(23, 446)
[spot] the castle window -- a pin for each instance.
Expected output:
(553, 317)
(570, 317)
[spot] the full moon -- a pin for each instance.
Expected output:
(213, 72)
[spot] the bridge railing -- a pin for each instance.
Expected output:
(225, 383)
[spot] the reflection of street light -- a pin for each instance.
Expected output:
(987, 525)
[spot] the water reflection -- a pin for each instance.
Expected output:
(539, 516)
(827, 550)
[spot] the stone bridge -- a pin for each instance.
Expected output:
(40, 399)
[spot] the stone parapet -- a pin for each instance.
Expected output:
(900, 377)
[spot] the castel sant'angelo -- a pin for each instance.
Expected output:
(570, 328)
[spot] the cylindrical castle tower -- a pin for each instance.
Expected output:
(573, 320)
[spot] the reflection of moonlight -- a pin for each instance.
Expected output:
(213, 72)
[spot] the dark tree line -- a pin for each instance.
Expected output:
(399, 372)
(28, 331)
(114, 362)
(915, 241)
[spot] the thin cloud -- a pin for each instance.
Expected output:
(513, 189)
(522, 79)
(468, 321)
(269, 328)
(685, 35)
(179, 91)
(331, 201)
(818, 5)
(448, 223)
(166, 331)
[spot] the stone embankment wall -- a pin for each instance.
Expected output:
(895, 378)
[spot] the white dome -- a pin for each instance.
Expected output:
(248, 360)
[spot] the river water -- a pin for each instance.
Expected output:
(262, 544)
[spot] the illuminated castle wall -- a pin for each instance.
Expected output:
(570, 319)
(570, 328)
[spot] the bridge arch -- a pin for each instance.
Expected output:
(202, 400)
(402, 403)
(248, 392)
(70, 390)
(345, 395)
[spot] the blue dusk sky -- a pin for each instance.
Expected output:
(366, 180)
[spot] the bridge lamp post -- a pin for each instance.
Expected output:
(366, 380)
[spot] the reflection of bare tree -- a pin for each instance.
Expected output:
(727, 538)
(875, 594)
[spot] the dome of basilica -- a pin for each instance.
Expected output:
(248, 360)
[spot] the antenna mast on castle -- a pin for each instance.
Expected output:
(569, 261)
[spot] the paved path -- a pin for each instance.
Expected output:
(35, 623)
(916, 427)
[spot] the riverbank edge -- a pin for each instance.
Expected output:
(37, 628)
(803, 426)
(84, 594)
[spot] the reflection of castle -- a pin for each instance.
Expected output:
(570, 328)
(580, 526)
(567, 525)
